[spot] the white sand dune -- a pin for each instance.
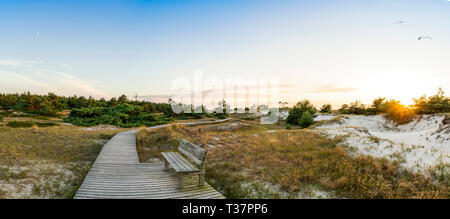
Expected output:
(420, 144)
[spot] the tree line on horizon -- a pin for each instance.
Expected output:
(303, 112)
(90, 111)
(123, 112)
(51, 104)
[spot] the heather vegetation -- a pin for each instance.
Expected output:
(123, 115)
(250, 162)
(28, 124)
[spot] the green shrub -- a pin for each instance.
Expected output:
(378, 106)
(326, 108)
(29, 124)
(343, 109)
(123, 115)
(357, 108)
(297, 111)
(45, 124)
(142, 117)
(400, 114)
(35, 116)
(437, 103)
(20, 124)
(51, 104)
(306, 120)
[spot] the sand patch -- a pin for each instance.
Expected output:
(421, 144)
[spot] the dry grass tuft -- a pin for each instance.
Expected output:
(47, 162)
(293, 160)
(151, 142)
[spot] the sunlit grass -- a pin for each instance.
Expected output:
(294, 161)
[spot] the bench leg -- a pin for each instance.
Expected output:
(166, 165)
(180, 181)
(201, 179)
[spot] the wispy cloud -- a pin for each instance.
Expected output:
(17, 63)
(74, 84)
(21, 76)
(23, 79)
(328, 88)
(9, 63)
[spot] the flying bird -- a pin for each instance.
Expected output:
(424, 38)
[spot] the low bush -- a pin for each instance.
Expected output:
(355, 107)
(396, 112)
(45, 124)
(123, 115)
(437, 103)
(20, 124)
(400, 114)
(306, 120)
(29, 124)
(297, 112)
(326, 108)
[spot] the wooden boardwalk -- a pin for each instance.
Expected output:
(117, 173)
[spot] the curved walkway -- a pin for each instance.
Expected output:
(117, 173)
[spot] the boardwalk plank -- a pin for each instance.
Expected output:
(117, 173)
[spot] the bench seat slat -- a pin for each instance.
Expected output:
(184, 165)
(171, 157)
(168, 156)
(179, 163)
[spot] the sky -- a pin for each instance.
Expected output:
(328, 51)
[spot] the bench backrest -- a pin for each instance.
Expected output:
(195, 153)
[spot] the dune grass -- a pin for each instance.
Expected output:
(251, 162)
(46, 162)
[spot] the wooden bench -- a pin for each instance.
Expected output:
(177, 160)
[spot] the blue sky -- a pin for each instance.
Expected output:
(328, 51)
